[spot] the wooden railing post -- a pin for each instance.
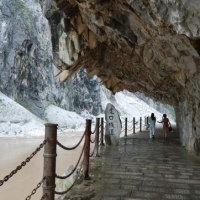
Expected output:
(126, 127)
(49, 169)
(133, 125)
(97, 137)
(87, 149)
(102, 129)
(140, 124)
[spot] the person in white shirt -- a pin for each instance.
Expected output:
(152, 124)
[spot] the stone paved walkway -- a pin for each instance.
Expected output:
(143, 169)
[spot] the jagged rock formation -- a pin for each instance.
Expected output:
(27, 74)
(151, 46)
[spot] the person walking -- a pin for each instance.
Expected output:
(152, 124)
(166, 124)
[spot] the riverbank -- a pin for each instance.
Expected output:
(15, 150)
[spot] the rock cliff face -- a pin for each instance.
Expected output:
(151, 46)
(27, 74)
(27, 71)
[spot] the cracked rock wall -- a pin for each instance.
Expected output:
(27, 72)
(151, 46)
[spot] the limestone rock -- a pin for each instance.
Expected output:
(113, 125)
(27, 72)
(151, 46)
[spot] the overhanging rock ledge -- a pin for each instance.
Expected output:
(149, 46)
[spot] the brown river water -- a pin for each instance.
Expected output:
(15, 150)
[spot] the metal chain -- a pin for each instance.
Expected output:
(71, 148)
(6, 178)
(64, 177)
(34, 190)
(94, 144)
(43, 197)
(94, 130)
(122, 130)
(78, 175)
(94, 139)
(137, 125)
(129, 126)
(92, 151)
(95, 134)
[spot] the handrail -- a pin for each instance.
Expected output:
(64, 192)
(50, 142)
(64, 177)
(34, 190)
(71, 148)
(6, 178)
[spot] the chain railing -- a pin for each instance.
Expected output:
(50, 144)
(28, 159)
(34, 190)
(102, 132)
(83, 159)
(75, 168)
(133, 125)
(50, 148)
(6, 178)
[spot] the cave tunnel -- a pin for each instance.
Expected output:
(146, 46)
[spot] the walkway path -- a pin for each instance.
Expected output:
(142, 169)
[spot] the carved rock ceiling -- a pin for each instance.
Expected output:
(149, 46)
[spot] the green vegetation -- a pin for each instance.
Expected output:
(51, 11)
(20, 6)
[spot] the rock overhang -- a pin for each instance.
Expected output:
(147, 46)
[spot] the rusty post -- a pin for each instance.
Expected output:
(49, 169)
(126, 127)
(147, 119)
(87, 149)
(102, 129)
(140, 124)
(97, 137)
(133, 125)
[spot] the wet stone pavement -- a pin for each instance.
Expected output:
(141, 168)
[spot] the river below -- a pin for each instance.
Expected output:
(13, 151)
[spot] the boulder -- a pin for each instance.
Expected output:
(113, 125)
